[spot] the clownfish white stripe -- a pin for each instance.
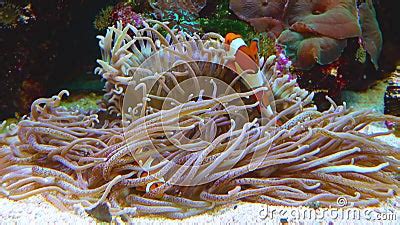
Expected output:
(148, 186)
(235, 45)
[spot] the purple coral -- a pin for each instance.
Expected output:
(127, 15)
(283, 63)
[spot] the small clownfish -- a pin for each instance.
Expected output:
(236, 44)
(150, 186)
(247, 58)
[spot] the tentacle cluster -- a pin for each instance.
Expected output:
(125, 51)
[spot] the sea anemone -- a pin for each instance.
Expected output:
(190, 136)
(9, 14)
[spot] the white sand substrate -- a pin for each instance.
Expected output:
(37, 211)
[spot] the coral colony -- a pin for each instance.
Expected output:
(178, 155)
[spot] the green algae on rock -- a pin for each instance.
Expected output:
(84, 102)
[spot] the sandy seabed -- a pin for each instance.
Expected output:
(36, 210)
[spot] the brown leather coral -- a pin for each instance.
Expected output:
(248, 9)
(322, 27)
(306, 51)
(331, 18)
(268, 24)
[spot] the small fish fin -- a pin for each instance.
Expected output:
(254, 51)
(254, 46)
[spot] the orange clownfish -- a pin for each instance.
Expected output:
(247, 58)
(237, 44)
(150, 186)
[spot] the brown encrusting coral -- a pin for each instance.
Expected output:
(176, 153)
